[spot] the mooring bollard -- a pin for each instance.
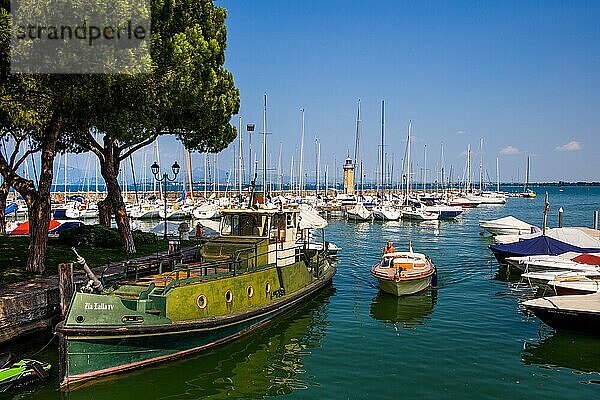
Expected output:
(65, 286)
(560, 217)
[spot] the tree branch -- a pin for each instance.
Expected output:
(138, 146)
(23, 157)
(93, 145)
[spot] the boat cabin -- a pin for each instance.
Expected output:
(275, 227)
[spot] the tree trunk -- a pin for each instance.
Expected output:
(37, 199)
(4, 188)
(104, 212)
(40, 208)
(109, 168)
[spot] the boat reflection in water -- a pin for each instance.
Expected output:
(564, 350)
(269, 362)
(406, 312)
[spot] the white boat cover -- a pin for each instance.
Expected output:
(584, 302)
(573, 236)
(509, 221)
(309, 219)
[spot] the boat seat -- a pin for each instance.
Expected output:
(7, 359)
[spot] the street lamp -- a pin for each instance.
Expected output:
(165, 178)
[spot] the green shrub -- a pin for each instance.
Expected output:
(141, 238)
(91, 236)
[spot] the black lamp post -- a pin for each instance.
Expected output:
(165, 178)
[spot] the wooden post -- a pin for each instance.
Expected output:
(65, 286)
(560, 217)
(595, 219)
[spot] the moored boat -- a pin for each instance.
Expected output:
(576, 313)
(507, 226)
(251, 273)
(403, 273)
(359, 213)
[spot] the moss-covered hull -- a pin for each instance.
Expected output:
(109, 343)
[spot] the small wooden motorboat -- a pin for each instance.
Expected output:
(402, 273)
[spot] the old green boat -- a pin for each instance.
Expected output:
(251, 273)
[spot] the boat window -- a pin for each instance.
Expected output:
(263, 228)
(386, 262)
(278, 226)
(291, 220)
(236, 225)
(226, 225)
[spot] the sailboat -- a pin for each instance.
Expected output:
(528, 193)
(410, 210)
(384, 211)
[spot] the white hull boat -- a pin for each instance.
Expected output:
(550, 263)
(415, 214)
(359, 213)
(507, 226)
(207, 211)
(386, 213)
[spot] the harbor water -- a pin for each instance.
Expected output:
(466, 339)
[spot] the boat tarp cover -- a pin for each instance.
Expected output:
(507, 221)
(574, 236)
(23, 229)
(310, 219)
(590, 259)
(11, 208)
(538, 246)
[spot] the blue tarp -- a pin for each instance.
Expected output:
(66, 225)
(11, 208)
(75, 198)
(540, 245)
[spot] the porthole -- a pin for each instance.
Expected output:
(201, 301)
(268, 287)
(250, 291)
(228, 296)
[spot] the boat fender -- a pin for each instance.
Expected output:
(434, 278)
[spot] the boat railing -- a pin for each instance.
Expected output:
(185, 274)
(136, 268)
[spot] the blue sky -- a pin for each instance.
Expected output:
(524, 75)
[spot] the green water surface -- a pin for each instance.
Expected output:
(467, 339)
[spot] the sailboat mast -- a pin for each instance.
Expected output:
(382, 168)
(265, 146)
(424, 167)
(357, 141)
(408, 177)
(469, 168)
(188, 160)
(443, 169)
(240, 158)
(316, 166)
(205, 172)
(481, 164)
(65, 182)
(526, 175)
(301, 166)
(497, 176)
(280, 167)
